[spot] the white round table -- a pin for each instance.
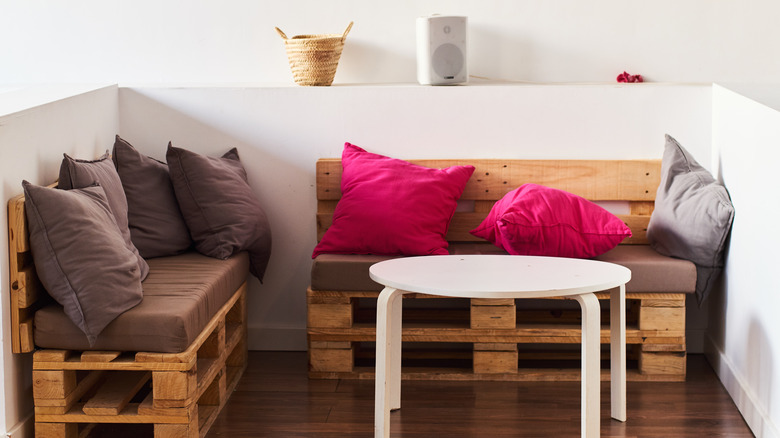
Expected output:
(504, 276)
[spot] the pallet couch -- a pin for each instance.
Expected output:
(490, 339)
(163, 368)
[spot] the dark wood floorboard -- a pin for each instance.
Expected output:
(275, 398)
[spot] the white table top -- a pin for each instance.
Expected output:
(498, 276)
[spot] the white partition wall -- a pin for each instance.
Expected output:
(36, 127)
(742, 340)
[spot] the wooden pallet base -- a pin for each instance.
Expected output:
(179, 394)
(491, 339)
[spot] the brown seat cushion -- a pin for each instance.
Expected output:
(650, 271)
(181, 295)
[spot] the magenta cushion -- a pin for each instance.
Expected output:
(538, 220)
(392, 207)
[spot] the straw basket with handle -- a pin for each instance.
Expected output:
(314, 58)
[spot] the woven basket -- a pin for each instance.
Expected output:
(314, 58)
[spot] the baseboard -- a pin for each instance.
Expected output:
(276, 339)
(22, 429)
(755, 415)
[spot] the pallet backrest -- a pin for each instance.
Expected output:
(632, 181)
(27, 293)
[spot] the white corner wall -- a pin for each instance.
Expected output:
(742, 342)
(36, 127)
(178, 41)
(280, 132)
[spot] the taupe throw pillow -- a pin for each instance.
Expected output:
(80, 256)
(156, 225)
(220, 209)
(692, 217)
(76, 174)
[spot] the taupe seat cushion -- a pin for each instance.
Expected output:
(650, 271)
(181, 295)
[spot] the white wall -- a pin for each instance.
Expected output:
(742, 341)
(281, 132)
(33, 136)
(185, 41)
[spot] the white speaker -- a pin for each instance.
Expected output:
(441, 50)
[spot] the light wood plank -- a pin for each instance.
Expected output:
(330, 315)
(174, 389)
(99, 356)
(53, 384)
(331, 359)
(662, 318)
(115, 393)
(494, 317)
(491, 362)
(601, 180)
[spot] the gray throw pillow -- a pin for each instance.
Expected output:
(219, 207)
(156, 225)
(80, 256)
(692, 217)
(77, 174)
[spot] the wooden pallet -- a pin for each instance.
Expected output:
(496, 339)
(497, 336)
(175, 395)
(179, 394)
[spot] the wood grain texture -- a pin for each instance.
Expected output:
(115, 393)
(275, 398)
(632, 181)
(600, 180)
(186, 393)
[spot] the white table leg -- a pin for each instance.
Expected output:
(591, 365)
(387, 394)
(617, 330)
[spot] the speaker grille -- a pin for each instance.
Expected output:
(448, 61)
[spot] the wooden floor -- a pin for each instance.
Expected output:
(276, 399)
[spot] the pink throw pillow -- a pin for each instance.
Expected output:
(392, 207)
(538, 220)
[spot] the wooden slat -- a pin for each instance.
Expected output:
(662, 318)
(18, 236)
(330, 315)
(494, 346)
(601, 180)
(83, 385)
(99, 356)
(527, 375)
(493, 317)
(60, 430)
(493, 362)
(21, 341)
(331, 359)
(52, 356)
(26, 286)
(522, 334)
(638, 225)
(128, 415)
(641, 208)
(660, 363)
(174, 389)
(146, 407)
(53, 384)
(677, 301)
(115, 393)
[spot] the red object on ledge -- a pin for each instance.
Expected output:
(625, 77)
